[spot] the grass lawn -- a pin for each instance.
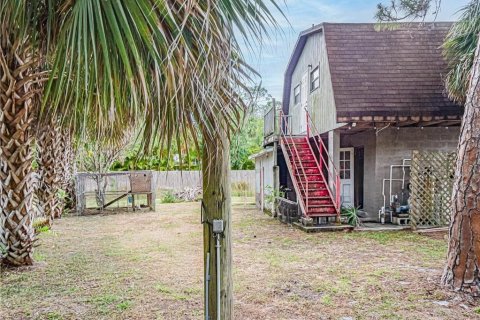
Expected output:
(147, 265)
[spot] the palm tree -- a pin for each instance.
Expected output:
(56, 161)
(459, 50)
(46, 162)
(174, 66)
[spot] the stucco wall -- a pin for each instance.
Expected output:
(394, 145)
(389, 147)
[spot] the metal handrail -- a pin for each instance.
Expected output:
(284, 132)
(335, 177)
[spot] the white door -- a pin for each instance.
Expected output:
(304, 104)
(346, 177)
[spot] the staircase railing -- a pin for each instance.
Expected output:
(286, 136)
(333, 181)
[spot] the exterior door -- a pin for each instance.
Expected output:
(347, 189)
(304, 104)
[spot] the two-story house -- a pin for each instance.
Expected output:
(357, 100)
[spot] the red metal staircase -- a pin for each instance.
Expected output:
(315, 178)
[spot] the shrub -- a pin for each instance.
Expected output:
(169, 197)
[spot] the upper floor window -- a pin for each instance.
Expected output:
(314, 79)
(296, 95)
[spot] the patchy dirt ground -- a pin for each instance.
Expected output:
(149, 266)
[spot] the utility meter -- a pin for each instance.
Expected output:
(217, 226)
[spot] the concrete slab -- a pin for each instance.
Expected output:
(375, 226)
(323, 228)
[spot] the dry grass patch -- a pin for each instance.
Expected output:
(148, 265)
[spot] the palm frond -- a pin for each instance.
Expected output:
(459, 50)
(170, 65)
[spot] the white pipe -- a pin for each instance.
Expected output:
(385, 198)
(403, 169)
(391, 177)
(207, 283)
(217, 245)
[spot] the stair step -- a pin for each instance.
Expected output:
(307, 171)
(330, 205)
(330, 209)
(309, 179)
(295, 141)
(316, 193)
(301, 176)
(302, 155)
(320, 214)
(313, 185)
(303, 158)
(298, 148)
(324, 202)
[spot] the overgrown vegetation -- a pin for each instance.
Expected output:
(169, 197)
(271, 196)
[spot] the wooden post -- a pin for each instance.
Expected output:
(217, 205)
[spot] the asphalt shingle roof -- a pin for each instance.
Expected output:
(388, 72)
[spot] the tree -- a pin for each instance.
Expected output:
(98, 156)
(174, 67)
(249, 139)
(462, 272)
(461, 47)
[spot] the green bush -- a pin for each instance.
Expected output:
(169, 197)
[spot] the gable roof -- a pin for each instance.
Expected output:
(389, 72)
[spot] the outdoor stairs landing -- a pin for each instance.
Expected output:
(310, 183)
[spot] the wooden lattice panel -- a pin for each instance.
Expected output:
(431, 183)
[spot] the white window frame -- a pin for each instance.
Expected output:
(315, 81)
(297, 96)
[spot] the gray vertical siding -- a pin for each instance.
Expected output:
(321, 104)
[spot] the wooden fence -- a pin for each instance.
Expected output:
(431, 185)
(179, 180)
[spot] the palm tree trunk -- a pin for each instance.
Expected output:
(67, 169)
(17, 106)
(462, 272)
(63, 167)
(47, 160)
(217, 205)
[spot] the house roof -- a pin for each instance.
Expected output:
(385, 72)
(261, 153)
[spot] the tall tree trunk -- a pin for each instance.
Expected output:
(56, 167)
(217, 205)
(17, 106)
(463, 259)
(66, 169)
(47, 159)
(63, 167)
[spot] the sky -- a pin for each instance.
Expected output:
(271, 58)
